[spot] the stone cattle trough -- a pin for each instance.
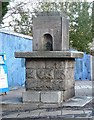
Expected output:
(50, 67)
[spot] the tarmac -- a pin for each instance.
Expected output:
(80, 106)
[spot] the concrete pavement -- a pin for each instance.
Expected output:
(79, 106)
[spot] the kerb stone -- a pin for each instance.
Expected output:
(31, 96)
(52, 96)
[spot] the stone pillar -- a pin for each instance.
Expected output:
(50, 25)
(50, 67)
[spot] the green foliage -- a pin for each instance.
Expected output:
(80, 35)
(3, 9)
(22, 23)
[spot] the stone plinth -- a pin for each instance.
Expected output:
(49, 75)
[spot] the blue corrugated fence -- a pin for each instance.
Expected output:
(11, 43)
(83, 68)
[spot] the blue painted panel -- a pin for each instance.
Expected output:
(1, 44)
(16, 66)
(83, 68)
(4, 90)
(3, 74)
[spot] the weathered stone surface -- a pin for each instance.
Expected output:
(43, 96)
(53, 85)
(65, 34)
(55, 64)
(31, 96)
(69, 72)
(69, 93)
(49, 54)
(31, 84)
(46, 74)
(35, 63)
(45, 85)
(47, 24)
(51, 96)
(69, 78)
(59, 74)
(31, 73)
(69, 63)
(57, 77)
(48, 96)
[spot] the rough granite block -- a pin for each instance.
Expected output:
(69, 93)
(55, 77)
(59, 74)
(31, 73)
(69, 63)
(55, 64)
(31, 84)
(35, 64)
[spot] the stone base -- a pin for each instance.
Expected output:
(49, 97)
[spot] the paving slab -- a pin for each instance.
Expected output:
(48, 118)
(77, 101)
(40, 113)
(10, 115)
(51, 113)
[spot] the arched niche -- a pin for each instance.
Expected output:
(47, 42)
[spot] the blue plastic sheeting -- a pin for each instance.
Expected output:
(9, 44)
(83, 68)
